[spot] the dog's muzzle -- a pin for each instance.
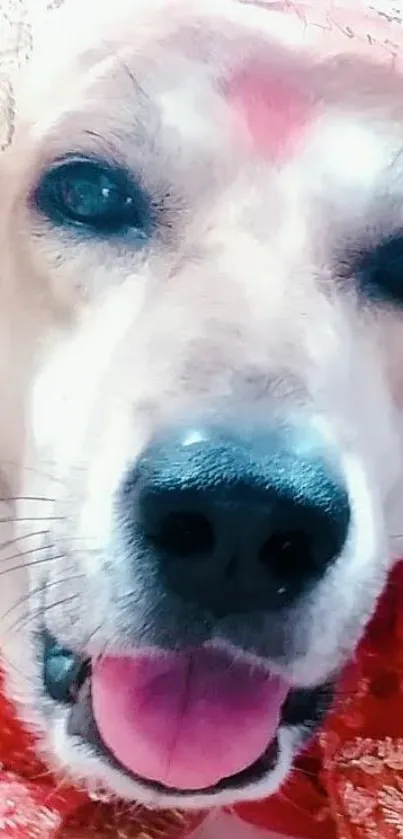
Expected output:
(235, 522)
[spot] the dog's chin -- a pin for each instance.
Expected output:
(78, 744)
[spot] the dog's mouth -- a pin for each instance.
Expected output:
(184, 723)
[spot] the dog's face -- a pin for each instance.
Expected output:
(208, 227)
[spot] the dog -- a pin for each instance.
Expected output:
(202, 262)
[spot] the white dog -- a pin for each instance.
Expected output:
(202, 270)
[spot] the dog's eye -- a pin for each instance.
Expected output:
(90, 194)
(380, 271)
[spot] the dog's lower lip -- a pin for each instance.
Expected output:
(63, 672)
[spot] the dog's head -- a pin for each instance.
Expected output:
(203, 251)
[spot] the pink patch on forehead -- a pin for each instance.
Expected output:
(273, 111)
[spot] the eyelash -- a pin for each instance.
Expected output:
(379, 271)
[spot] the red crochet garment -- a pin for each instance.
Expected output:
(35, 805)
(348, 786)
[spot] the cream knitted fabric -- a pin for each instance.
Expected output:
(17, 32)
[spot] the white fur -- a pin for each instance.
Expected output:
(235, 303)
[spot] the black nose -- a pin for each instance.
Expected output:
(237, 522)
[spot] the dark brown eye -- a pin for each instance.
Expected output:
(88, 193)
(380, 271)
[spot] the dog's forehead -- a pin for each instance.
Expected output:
(272, 109)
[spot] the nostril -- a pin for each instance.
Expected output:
(285, 552)
(184, 535)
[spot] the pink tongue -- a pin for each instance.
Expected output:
(188, 719)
